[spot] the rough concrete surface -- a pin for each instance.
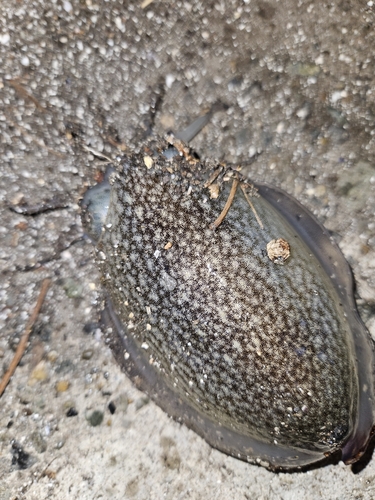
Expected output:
(298, 80)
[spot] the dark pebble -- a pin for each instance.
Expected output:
(72, 412)
(90, 327)
(112, 407)
(20, 458)
(96, 418)
(44, 331)
(65, 366)
(87, 354)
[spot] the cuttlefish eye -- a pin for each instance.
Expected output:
(233, 309)
(95, 205)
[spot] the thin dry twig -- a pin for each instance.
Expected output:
(45, 468)
(25, 337)
(213, 177)
(25, 94)
(227, 206)
(97, 153)
(252, 206)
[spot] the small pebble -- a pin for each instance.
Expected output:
(72, 412)
(44, 332)
(91, 327)
(66, 366)
(52, 356)
(318, 191)
(121, 402)
(25, 395)
(62, 386)
(20, 458)
(40, 403)
(4, 39)
(112, 407)
(17, 198)
(39, 373)
(25, 61)
(141, 402)
(60, 444)
(72, 288)
(87, 354)
(67, 6)
(169, 80)
(96, 418)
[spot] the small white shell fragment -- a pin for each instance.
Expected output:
(148, 161)
(214, 191)
(278, 250)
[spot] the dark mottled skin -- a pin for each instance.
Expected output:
(259, 347)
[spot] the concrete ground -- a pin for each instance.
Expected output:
(298, 79)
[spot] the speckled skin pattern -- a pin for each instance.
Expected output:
(259, 347)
